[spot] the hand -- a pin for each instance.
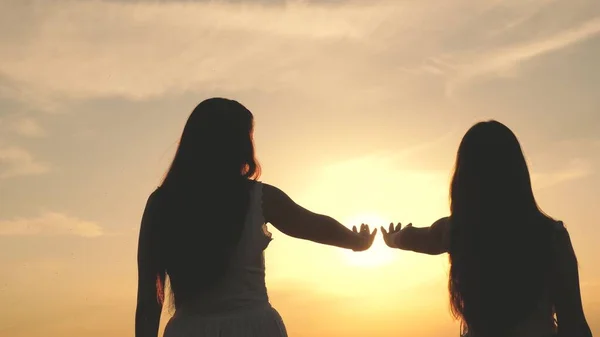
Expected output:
(392, 236)
(366, 238)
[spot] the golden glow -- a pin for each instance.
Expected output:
(358, 116)
(379, 254)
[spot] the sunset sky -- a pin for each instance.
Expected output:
(359, 108)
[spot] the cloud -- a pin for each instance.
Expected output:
(15, 161)
(142, 50)
(51, 224)
(29, 127)
(502, 62)
(575, 169)
(22, 125)
(411, 152)
(78, 50)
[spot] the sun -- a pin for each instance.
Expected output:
(379, 254)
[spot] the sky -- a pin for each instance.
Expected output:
(359, 109)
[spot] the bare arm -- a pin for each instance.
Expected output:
(148, 310)
(294, 220)
(567, 294)
(432, 240)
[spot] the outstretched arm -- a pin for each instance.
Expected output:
(294, 220)
(567, 295)
(432, 240)
(149, 307)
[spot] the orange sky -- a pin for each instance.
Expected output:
(359, 110)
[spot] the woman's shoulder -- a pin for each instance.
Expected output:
(269, 190)
(269, 193)
(441, 228)
(562, 245)
(559, 229)
(445, 221)
(154, 195)
(442, 225)
(152, 203)
(276, 202)
(556, 231)
(547, 223)
(561, 234)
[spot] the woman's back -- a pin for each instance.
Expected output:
(238, 305)
(537, 318)
(499, 276)
(243, 284)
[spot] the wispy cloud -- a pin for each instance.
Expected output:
(142, 50)
(502, 62)
(410, 152)
(575, 169)
(51, 224)
(29, 127)
(16, 161)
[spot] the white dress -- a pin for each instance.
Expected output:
(239, 307)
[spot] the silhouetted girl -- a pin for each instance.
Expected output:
(205, 228)
(513, 267)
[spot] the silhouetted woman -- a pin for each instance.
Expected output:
(205, 228)
(513, 267)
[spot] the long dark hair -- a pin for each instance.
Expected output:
(500, 243)
(204, 197)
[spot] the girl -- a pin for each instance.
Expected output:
(205, 228)
(513, 267)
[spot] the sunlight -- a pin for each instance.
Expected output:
(379, 254)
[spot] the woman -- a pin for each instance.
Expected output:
(205, 228)
(513, 267)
